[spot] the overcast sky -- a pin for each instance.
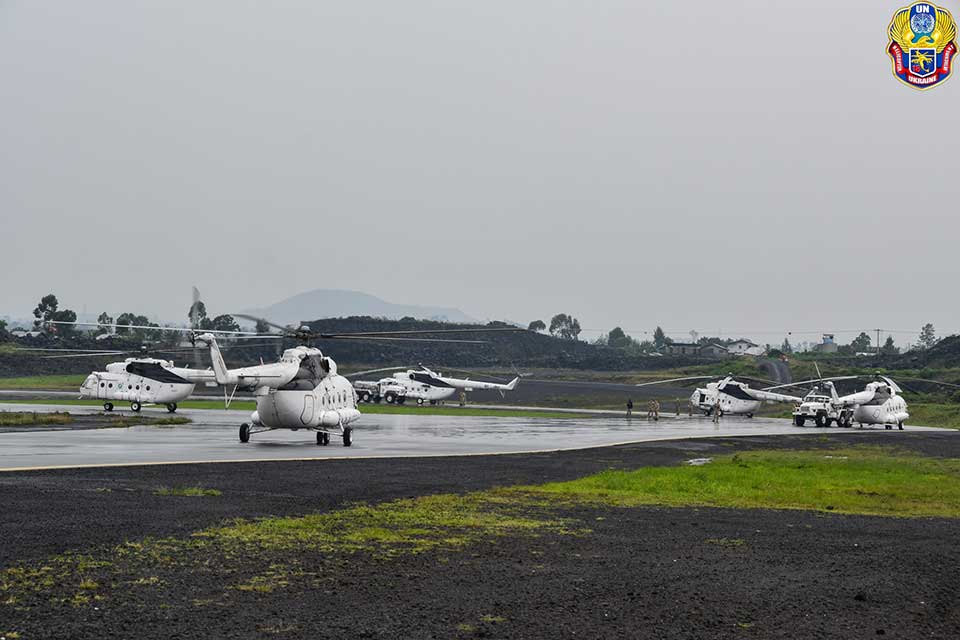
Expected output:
(751, 167)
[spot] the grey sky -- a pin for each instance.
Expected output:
(719, 165)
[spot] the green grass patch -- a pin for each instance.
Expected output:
(863, 480)
(30, 418)
(727, 542)
(102, 421)
(56, 383)
(189, 492)
(243, 553)
(935, 414)
(409, 526)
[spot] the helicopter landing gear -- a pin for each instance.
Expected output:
(171, 407)
(108, 406)
(347, 436)
(888, 427)
(420, 401)
(135, 406)
(900, 425)
(749, 415)
(323, 438)
(244, 432)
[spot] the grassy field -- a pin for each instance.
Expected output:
(54, 383)
(370, 409)
(935, 414)
(862, 480)
(40, 418)
(29, 418)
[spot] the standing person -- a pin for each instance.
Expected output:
(629, 407)
(678, 407)
(656, 410)
(690, 408)
(716, 410)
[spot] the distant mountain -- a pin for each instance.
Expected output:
(337, 303)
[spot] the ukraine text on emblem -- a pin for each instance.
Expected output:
(923, 42)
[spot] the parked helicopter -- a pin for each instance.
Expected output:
(140, 381)
(425, 385)
(318, 397)
(879, 402)
(729, 396)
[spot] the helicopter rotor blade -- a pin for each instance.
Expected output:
(647, 384)
(389, 339)
(87, 355)
(266, 322)
(415, 332)
(363, 373)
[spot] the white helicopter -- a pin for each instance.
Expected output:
(138, 380)
(425, 385)
(880, 402)
(729, 396)
(317, 397)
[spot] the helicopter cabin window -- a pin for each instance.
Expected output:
(110, 385)
(148, 387)
(138, 387)
(102, 385)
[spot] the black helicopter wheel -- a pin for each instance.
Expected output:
(323, 438)
(244, 432)
(108, 406)
(900, 425)
(347, 437)
(135, 406)
(171, 407)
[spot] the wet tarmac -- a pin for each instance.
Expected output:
(212, 437)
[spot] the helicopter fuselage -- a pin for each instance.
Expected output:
(138, 381)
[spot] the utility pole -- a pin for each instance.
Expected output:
(878, 341)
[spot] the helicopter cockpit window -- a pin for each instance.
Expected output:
(311, 372)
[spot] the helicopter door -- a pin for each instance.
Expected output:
(307, 414)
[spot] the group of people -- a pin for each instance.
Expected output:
(653, 409)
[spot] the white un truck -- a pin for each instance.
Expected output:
(821, 410)
(386, 389)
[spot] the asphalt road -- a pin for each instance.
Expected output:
(213, 437)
